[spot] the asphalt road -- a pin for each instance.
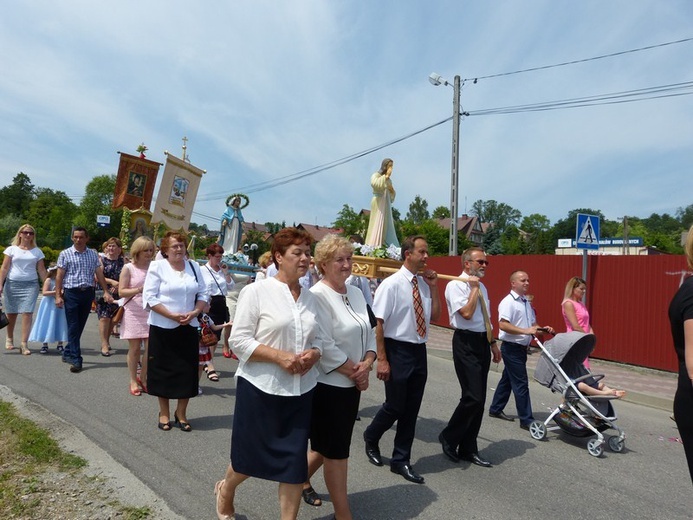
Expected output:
(555, 478)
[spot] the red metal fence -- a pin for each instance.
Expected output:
(627, 297)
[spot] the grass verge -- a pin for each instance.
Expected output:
(39, 480)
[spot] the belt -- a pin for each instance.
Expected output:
(515, 344)
(81, 288)
(472, 332)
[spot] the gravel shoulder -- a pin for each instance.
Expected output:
(103, 489)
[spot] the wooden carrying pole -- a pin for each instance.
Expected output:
(441, 276)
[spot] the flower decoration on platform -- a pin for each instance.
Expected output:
(393, 252)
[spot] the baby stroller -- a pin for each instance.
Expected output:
(560, 368)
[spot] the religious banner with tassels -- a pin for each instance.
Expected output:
(135, 182)
(177, 193)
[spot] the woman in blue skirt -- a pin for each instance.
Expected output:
(278, 338)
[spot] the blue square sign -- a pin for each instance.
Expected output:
(587, 231)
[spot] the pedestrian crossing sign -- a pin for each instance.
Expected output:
(587, 231)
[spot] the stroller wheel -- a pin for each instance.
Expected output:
(594, 447)
(616, 444)
(537, 430)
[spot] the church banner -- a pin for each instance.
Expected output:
(177, 194)
(135, 182)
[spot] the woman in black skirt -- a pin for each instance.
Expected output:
(176, 293)
(219, 281)
(681, 318)
(278, 339)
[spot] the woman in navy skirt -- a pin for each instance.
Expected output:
(278, 338)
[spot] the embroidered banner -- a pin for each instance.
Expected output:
(177, 194)
(135, 182)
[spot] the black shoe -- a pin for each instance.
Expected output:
(501, 415)
(408, 473)
(524, 426)
(75, 368)
(474, 458)
(448, 450)
(372, 452)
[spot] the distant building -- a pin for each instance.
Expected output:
(610, 246)
(470, 227)
(318, 232)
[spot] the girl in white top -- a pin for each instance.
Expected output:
(21, 268)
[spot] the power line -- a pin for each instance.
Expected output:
(260, 186)
(629, 96)
(573, 62)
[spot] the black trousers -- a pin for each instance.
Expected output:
(403, 395)
(472, 357)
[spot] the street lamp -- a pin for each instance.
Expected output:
(436, 80)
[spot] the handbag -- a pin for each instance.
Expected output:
(207, 336)
(4, 321)
(118, 316)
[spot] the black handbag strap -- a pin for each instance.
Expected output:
(215, 280)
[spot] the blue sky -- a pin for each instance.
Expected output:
(267, 89)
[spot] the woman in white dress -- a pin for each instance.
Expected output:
(21, 268)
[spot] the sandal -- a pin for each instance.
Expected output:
(213, 376)
(310, 497)
(226, 352)
(166, 426)
(9, 344)
(217, 493)
(24, 349)
(184, 426)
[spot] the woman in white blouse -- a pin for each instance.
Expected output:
(278, 338)
(337, 394)
(21, 267)
(175, 293)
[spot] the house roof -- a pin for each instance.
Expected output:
(318, 232)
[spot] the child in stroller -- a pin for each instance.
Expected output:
(586, 406)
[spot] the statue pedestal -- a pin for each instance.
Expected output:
(372, 267)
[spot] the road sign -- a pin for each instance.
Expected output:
(587, 232)
(103, 220)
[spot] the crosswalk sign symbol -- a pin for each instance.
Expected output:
(587, 232)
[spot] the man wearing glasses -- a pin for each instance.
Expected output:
(518, 324)
(472, 348)
(74, 288)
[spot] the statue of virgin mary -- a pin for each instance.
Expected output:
(232, 223)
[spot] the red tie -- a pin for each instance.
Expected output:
(418, 309)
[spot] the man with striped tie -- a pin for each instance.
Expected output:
(404, 305)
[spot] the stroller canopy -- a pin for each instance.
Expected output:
(569, 349)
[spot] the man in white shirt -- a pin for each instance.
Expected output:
(404, 305)
(468, 305)
(518, 324)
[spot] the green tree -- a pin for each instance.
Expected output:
(500, 214)
(350, 222)
(275, 227)
(685, 216)
(97, 200)
(15, 198)
(436, 236)
(53, 213)
(538, 238)
(418, 211)
(441, 212)
(9, 224)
